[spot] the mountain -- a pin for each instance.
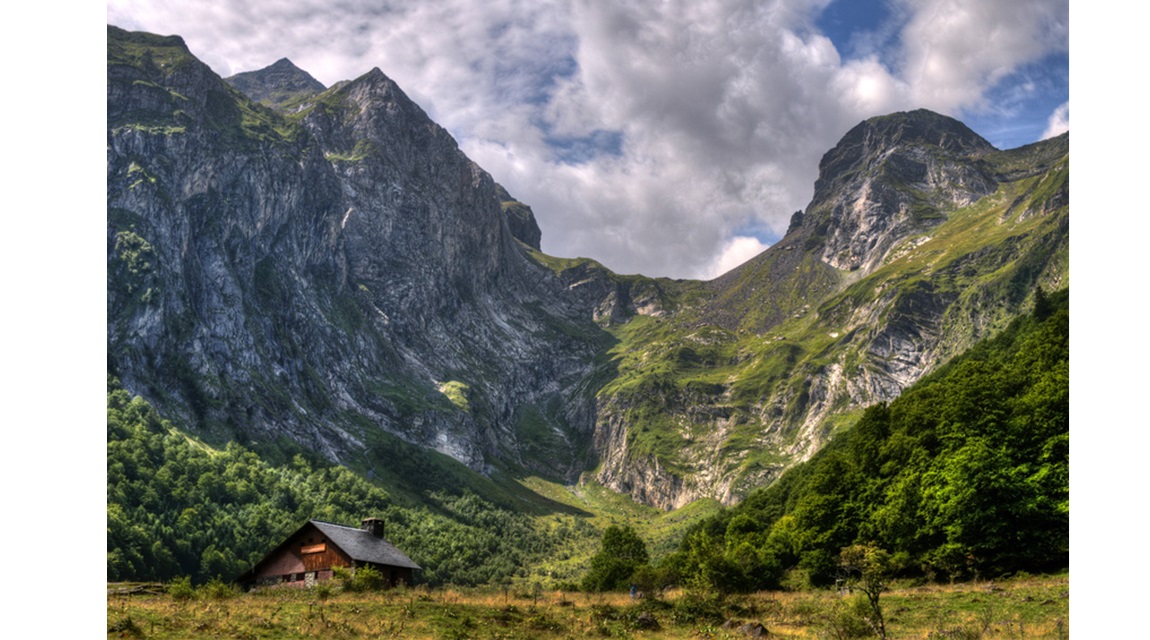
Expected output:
(328, 271)
(921, 239)
(330, 278)
(274, 86)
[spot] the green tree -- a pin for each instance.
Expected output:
(622, 552)
(867, 569)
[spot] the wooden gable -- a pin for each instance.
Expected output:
(307, 550)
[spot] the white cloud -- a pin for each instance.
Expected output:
(954, 51)
(1059, 121)
(709, 117)
(735, 252)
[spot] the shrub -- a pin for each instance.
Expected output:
(365, 578)
(700, 603)
(217, 589)
(181, 588)
(125, 626)
(651, 580)
(868, 568)
(849, 619)
(797, 579)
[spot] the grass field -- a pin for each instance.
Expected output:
(1026, 607)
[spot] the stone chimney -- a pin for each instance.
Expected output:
(374, 526)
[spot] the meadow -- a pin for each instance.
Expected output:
(1019, 607)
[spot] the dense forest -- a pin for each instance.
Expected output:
(177, 507)
(966, 474)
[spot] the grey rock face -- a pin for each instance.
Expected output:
(351, 270)
(890, 177)
(520, 220)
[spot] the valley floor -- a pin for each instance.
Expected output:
(1024, 607)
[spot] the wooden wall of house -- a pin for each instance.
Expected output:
(317, 552)
(308, 550)
(281, 563)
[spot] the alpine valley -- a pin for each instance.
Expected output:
(322, 272)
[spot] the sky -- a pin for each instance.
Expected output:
(671, 138)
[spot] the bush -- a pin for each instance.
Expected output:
(868, 568)
(181, 588)
(217, 589)
(365, 578)
(849, 619)
(700, 603)
(651, 581)
(124, 627)
(797, 579)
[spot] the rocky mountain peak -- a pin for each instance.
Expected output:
(912, 133)
(284, 65)
(120, 37)
(889, 177)
(923, 126)
(155, 81)
(279, 83)
(378, 82)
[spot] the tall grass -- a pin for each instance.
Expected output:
(1027, 607)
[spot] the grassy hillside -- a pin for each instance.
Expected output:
(966, 474)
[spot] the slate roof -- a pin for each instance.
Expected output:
(364, 547)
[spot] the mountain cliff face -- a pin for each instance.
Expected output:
(328, 268)
(325, 276)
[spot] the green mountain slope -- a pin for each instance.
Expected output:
(965, 474)
(178, 507)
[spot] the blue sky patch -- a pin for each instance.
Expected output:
(1021, 103)
(859, 28)
(582, 149)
